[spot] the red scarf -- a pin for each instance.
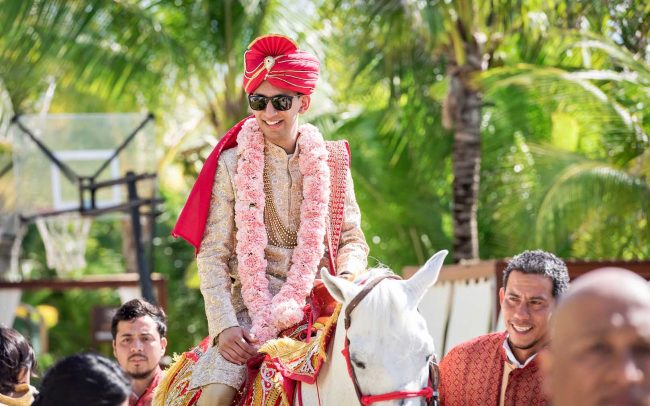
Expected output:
(191, 222)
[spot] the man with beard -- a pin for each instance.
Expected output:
(139, 343)
(501, 368)
(600, 342)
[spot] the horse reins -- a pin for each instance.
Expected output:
(430, 392)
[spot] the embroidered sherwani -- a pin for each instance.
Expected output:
(217, 260)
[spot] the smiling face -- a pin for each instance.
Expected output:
(527, 302)
(138, 346)
(280, 127)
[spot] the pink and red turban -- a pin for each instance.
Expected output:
(273, 58)
(277, 59)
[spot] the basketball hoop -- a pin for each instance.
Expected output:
(65, 238)
(94, 163)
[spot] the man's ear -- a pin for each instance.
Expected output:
(502, 294)
(305, 102)
(163, 344)
(114, 352)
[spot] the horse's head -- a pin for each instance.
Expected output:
(389, 345)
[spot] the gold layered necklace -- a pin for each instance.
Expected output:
(277, 233)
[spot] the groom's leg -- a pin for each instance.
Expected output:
(216, 394)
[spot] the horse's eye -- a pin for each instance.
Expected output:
(357, 363)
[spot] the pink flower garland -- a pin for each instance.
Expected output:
(270, 314)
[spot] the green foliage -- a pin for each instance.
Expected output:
(564, 125)
(72, 332)
(187, 323)
(553, 87)
(577, 182)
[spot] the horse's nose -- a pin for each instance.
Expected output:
(411, 402)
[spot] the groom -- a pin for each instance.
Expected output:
(273, 204)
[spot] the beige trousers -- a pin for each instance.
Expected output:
(217, 394)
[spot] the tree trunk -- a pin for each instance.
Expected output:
(464, 114)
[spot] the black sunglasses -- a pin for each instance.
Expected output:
(280, 102)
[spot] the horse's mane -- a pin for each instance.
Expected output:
(380, 296)
(387, 302)
(373, 273)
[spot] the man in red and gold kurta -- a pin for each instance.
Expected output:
(274, 203)
(502, 368)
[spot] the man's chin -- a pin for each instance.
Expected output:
(140, 374)
(522, 344)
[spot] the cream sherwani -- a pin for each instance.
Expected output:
(217, 261)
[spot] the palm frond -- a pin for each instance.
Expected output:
(621, 56)
(587, 191)
(6, 113)
(603, 121)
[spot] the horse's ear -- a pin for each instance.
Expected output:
(340, 289)
(425, 277)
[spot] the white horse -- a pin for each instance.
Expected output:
(390, 348)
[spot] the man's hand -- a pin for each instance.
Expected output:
(235, 345)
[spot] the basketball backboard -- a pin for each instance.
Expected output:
(84, 143)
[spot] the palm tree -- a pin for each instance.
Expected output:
(462, 36)
(469, 39)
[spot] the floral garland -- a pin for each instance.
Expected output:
(271, 314)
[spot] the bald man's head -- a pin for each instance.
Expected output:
(600, 342)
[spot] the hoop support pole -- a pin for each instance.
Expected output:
(65, 169)
(126, 142)
(143, 268)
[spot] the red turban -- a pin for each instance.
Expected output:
(276, 59)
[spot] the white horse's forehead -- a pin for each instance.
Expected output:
(395, 359)
(384, 320)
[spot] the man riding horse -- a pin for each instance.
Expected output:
(273, 203)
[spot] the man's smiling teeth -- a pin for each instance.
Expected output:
(272, 122)
(521, 329)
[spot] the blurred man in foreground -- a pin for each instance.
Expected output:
(84, 380)
(600, 342)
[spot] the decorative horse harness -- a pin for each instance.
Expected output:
(430, 392)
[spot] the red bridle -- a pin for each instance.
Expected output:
(430, 392)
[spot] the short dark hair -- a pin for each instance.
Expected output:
(541, 263)
(136, 308)
(16, 356)
(84, 379)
